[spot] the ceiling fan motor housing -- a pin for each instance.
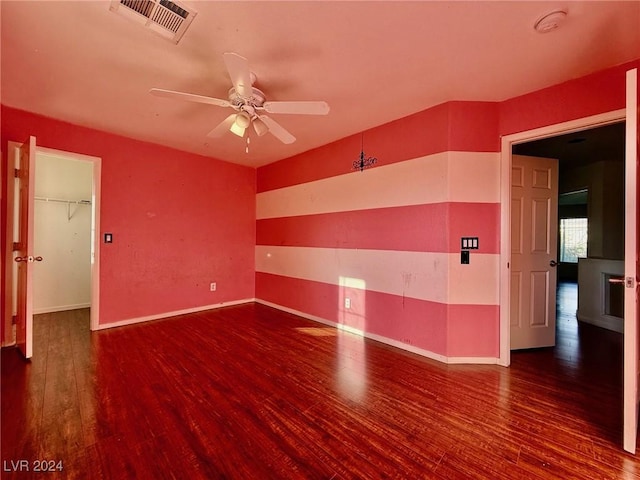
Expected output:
(256, 100)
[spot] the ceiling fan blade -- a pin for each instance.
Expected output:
(189, 97)
(302, 108)
(240, 74)
(222, 127)
(277, 130)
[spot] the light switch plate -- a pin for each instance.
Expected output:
(469, 243)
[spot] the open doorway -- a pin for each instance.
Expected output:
(62, 233)
(590, 244)
(20, 254)
(507, 144)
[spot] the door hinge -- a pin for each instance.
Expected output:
(630, 282)
(14, 320)
(17, 246)
(16, 172)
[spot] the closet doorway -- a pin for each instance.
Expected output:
(63, 218)
(57, 187)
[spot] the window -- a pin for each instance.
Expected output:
(573, 239)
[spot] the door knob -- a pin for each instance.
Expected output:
(553, 263)
(29, 259)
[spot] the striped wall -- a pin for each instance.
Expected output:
(388, 238)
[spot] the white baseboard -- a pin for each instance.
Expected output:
(604, 321)
(386, 340)
(10, 337)
(148, 318)
(61, 308)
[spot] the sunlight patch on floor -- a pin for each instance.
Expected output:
(318, 331)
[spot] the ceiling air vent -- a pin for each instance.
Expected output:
(167, 18)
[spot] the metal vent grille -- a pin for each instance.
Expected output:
(143, 7)
(165, 17)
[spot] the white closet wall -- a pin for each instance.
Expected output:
(62, 281)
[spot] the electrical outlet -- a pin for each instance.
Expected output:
(212, 286)
(347, 303)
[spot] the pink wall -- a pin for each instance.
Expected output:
(388, 238)
(180, 221)
(599, 92)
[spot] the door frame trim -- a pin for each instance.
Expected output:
(95, 237)
(95, 228)
(630, 344)
(507, 142)
(8, 266)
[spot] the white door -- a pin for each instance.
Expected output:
(631, 266)
(534, 230)
(23, 248)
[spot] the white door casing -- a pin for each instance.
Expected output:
(507, 143)
(14, 223)
(630, 389)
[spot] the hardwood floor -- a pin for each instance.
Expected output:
(249, 392)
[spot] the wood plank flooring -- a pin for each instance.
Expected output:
(249, 392)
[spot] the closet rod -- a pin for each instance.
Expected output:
(60, 200)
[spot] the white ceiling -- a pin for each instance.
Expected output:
(373, 62)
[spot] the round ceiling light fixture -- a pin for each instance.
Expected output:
(550, 21)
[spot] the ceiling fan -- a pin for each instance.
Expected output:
(249, 103)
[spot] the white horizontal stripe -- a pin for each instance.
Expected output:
(474, 177)
(435, 277)
(476, 283)
(414, 182)
(442, 177)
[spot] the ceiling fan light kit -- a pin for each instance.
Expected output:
(243, 120)
(248, 101)
(240, 124)
(260, 127)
